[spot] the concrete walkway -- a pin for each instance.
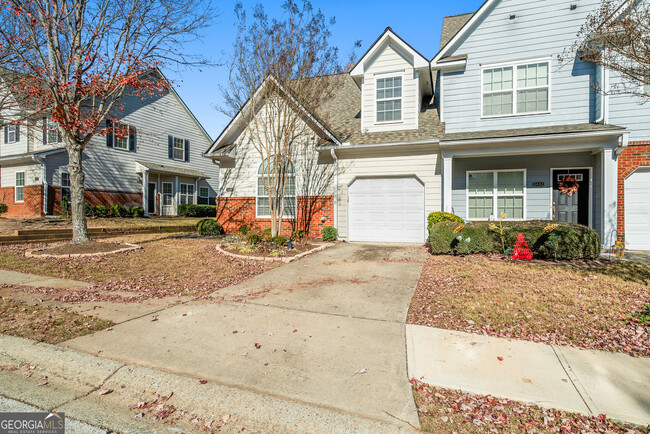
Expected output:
(26, 279)
(327, 330)
(589, 382)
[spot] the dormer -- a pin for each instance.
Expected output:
(394, 79)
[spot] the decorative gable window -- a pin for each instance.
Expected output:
(389, 99)
(515, 89)
(490, 193)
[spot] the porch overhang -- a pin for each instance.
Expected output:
(142, 167)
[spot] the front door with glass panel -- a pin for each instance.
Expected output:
(167, 206)
(571, 196)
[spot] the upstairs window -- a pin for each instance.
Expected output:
(516, 89)
(51, 134)
(12, 133)
(389, 99)
(121, 132)
(179, 149)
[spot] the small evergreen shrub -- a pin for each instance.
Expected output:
(188, 210)
(88, 210)
(3, 208)
(298, 234)
(136, 211)
(244, 230)
(65, 206)
(329, 233)
(253, 239)
(279, 240)
(100, 211)
(439, 216)
(209, 228)
(118, 211)
(266, 234)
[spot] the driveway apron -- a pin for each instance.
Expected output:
(326, 330)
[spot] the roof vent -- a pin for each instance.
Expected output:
(573, 6)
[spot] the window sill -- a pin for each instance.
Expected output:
(389, 122)
(515, 115)
(121, 149)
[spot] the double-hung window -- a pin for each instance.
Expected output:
(265, 175)
(167, 194)
(516, 89)
(121, 133)
(179, 149)
(20, 187)
(492, 193)
(53, 135)
(389, 99)
(187, 194)
(204, 196)
(11, 133)
(65, 185)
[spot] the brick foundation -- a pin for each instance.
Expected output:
(93, 198)
(31, 207)
(234, 212)
(635, 155)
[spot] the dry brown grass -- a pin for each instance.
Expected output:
(9, 225)
(586, 308)
(45, 324)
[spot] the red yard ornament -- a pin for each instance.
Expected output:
(521, 250)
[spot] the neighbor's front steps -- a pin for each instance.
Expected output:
(53, 378)
(566, 378)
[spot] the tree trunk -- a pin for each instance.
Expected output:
(77, 195)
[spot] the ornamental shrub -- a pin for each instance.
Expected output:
(279, 240)
(253, 238)
(136, 211)
(189, 210)
(118, 211)
(439, 216)
(329, 233)
(3, 208)
(88, 210)
(100, 211)
(209, 228)
(298, 234)
(575, 241)
(244, 230)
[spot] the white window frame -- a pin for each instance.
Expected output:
(52, 127)
(257, 196)
(169, 195)
(514, 66)
(63, 186)
(174, 148)
(401, 97)
(207, 195)
(495, 195)
(189, 197)
(12, 129)
(20, 188)
(116, 127)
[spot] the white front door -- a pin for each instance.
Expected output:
(167, 207)
(637, 210)
(386, 210)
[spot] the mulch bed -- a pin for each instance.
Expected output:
(267, 249)
(444, 410)
(81, 249)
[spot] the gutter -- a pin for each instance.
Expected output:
(378, 145)
(336, 187)
(533, 137)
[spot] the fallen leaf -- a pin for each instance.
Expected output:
(44, 383)
(139, 415)
(105, 392)
(225, 418)
(258, 346)
(203, 381)
(500, 358)
(361, 371)
(154, 318)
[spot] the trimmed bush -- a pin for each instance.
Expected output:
(136, 211)
(329, 233)
(279, 240)
(298, 234)
(3, 208)
(244, 230)
(100, 211)
(576, 241)
(187, 210)
(118, 211)
(253, 239)
(209, 228)
(439, 216)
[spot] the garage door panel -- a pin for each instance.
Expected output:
(637, 210)
(386, 209)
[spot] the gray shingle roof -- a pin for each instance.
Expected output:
(536, 131)
(452, 25)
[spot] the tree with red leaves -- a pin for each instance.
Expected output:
(73, 61)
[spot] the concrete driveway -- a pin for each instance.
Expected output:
(301, 331)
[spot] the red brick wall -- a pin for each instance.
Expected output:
(636, 154)
(31, 207)
(234, 212)
(93, 198)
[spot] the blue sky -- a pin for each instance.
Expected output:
(417, 22)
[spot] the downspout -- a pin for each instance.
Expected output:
(41, 161)
(604, 99)
(336, 187)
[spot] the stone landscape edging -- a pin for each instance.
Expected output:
(286, 260)
(33, 254)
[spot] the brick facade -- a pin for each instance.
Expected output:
(314, 212)
(32, 206)
(93, 198)
(635, 155)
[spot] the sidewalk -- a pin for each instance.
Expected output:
(25, 279)
(583, 381)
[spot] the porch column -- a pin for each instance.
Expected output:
(145, 192)
(609, 187)
(196, 191)
(176, 195)
(446, 182)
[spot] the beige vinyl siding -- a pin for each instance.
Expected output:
(19, 147)
(8, 174)
(389, 62)
(425, 165)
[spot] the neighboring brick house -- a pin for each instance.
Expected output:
(158, 166)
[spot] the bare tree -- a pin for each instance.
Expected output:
(273, 91)
(617, 37)
(73, 61)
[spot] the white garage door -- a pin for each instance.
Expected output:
(637, 210)
(386, 210)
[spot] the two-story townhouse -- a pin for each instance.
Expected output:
(158, 164)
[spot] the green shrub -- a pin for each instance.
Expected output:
(65, 206)
(88, 210)
(439, 216)
(575, 241)
(266, 234)
(100, 211)
(253, 238)
(3, 208)
(187, 210)
(279, 240)
(118, 211)
(244, 230)
(209, 228)
(329, 233)
(298, 234)
(136, 211)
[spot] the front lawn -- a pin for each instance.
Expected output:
(45, 324)
(588, 308)
(166, 265)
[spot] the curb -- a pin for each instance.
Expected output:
(273, 259)
(33, 253)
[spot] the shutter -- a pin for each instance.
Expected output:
(45, 131)
(18, 132)
(170, 152)
(6, 135)
(132, 139)
(187, 150)
(109, 133)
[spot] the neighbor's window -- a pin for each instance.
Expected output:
(491, 193)
(121, 133)
(263, 207)
(187, 194)
(179, 149)
(519, 89)
(20, 187)
(389, 99)
(204, 196)
(11, 133)
(65, 185)
(53, 135)
(167, 194)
